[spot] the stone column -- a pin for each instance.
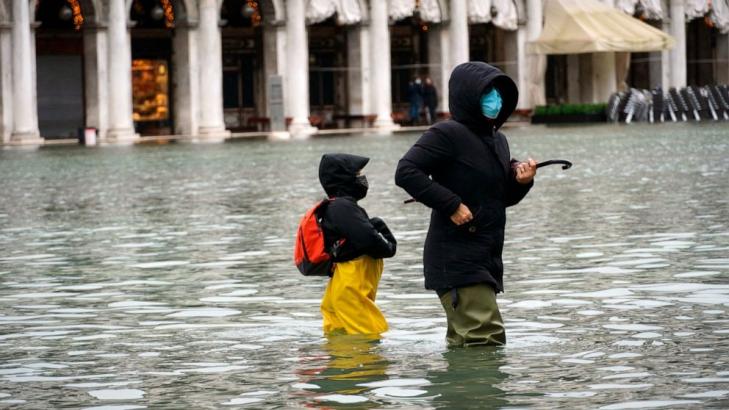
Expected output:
(520, 39)
(121, 125)
(438, 58)
(274, 65)
(25, 104)
(381, 69)
(186, 75)
(604, 79)
(6, 83)
(458, 33)
(96, 91)
(297, 69)
(677, 55)
(457, 40)
(575, 85)
(586, 79)
(270, 56)
(212, 123)
(536, 65)
(358, 49)
(722, 55)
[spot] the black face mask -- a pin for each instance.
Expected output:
(360, 187)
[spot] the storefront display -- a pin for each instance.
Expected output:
(150, 90)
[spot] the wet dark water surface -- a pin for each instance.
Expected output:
(161, 276)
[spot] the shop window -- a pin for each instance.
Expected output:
(238, 81)
(231, 89)
(321, 79)
(150, 90)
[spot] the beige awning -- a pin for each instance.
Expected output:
(588, 26)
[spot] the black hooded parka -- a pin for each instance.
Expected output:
(344, 219)
(465, 160)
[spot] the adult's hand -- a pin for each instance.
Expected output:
(526, 171)
(462, 215)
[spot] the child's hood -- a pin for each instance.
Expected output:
(338, 172)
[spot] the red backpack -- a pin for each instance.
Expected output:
(310, 254)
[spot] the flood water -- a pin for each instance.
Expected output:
(162, 277)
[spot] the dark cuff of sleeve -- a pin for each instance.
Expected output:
(451, 206)
(526, 186)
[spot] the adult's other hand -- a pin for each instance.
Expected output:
(526, 171)
(462, 215)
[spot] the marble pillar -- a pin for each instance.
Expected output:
(121, 125)
(358, 49)
(274, 65)
(96, 90)
(187, 96)
(677, 55)
(575, 84)
(6, 83)
(381, 67)
(297, 70)
(212, 123)
(438, 57)
(458, 33)
(25, 105)
(604, 79)
(536, 65)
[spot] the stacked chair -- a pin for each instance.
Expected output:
(707, 103)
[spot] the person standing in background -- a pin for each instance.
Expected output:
(415, 98)
(430, 98)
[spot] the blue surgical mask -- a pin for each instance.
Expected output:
(491, 104)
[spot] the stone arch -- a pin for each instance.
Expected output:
(91, 10)
(185, 10)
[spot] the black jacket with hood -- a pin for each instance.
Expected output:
(465, 160)
(342, 218)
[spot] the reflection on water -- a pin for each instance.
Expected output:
(162, 277)
(347, 367)
(472, 373)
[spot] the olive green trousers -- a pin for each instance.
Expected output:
(475, 320)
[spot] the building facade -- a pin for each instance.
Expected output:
(201, 69)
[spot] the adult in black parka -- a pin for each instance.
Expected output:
(461, 169)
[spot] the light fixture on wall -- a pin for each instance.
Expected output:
(250, 10)
(65, 13)
(247, 10)
(157, 13)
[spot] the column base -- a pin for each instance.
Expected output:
(210, 135)
(25, 140)
(121, 136)
(385, 126)
(279, 136)
(302, 130)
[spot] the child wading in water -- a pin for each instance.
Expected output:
(357, 244)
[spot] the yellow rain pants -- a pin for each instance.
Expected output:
(348, 305)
